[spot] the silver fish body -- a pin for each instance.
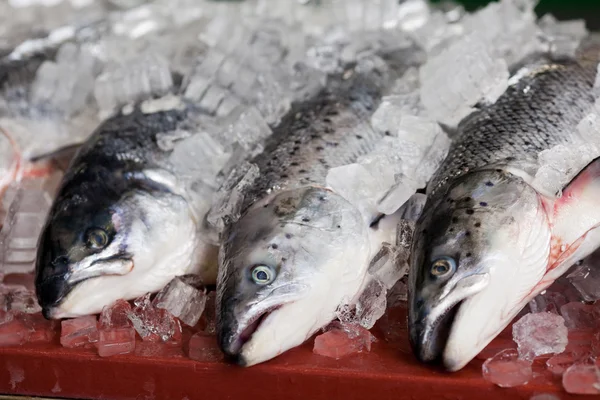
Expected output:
(299, 249)
(121, 225)
(488, 240)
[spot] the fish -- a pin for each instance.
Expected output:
(122, 223)
(300, 250)
(490, 239)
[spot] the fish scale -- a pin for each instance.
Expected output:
(536, 113)
(329, 131)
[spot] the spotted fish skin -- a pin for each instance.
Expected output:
(325, 132)
(300, 250)
(534, 114)
(485, 244)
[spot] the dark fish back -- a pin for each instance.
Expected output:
(538, 112)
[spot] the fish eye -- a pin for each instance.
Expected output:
(443, 266)
(262, 274)
(96, 239)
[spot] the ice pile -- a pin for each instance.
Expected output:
(342, 340)
(130, 80)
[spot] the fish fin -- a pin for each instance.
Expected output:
(60, 158)
(575, 219)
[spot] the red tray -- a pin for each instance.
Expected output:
(389, 371)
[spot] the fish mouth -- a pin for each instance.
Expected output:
(233, 344)
(430, 327)
(428, 338)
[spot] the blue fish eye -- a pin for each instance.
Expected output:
(443, 266)
(262, 274)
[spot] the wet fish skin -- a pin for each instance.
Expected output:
(482, 247)
(314, 243)
(120, 190)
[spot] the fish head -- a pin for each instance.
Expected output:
(478, 251)
(99, 247)
(284, 268)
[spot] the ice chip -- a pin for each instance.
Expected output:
(579, 316)
(154, 324)
(208, 320)
(559, 363)
(229, 198)
(582, 379)
(79, 331)
(397, 295)
(544, 396)
(343, 340)
(371, 304)
(115, 315)
(539, 334)
(13, 333)
(182, 300)
(204, 348)
(586, 278)
(549, 301)
(23, 301)
(41, 330)
(506, 369)
(113, 341)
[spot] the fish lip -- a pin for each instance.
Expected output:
(232, 344)
(430, 327)
(428, 341)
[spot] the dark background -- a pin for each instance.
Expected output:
(561, 9)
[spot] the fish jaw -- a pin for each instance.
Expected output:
(158, 248)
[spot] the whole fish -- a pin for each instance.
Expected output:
(122, 225)
(299, 250)
(490, 239)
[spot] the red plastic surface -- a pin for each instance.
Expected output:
(389, 371)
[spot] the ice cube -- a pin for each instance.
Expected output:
(13, 333)
(559, 363)
(115, 315)
(371, 304)
(343, 340)
(113, 341)
(154, 324)
(22, 226)
(183, 300)
(204, 348)
(579, 316)
(79, 331)
(586, 278)
(23, 301)
(397, 295)
(41, 330)
(246, 127)
(582, 379)
(230, 196)
(208, 320)
(451, 87)
(549, 301)
(506, 369)
(538, 334)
